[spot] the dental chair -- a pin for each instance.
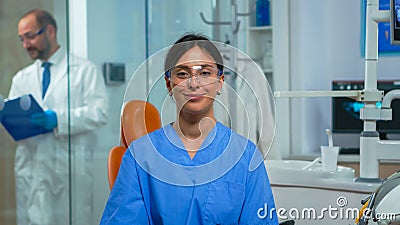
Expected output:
(138, 118)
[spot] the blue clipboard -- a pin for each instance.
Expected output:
(16, 119)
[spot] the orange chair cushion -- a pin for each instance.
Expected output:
(114, 161)
(138, 119)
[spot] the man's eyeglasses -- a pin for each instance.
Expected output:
(30, 35)
(205, 74)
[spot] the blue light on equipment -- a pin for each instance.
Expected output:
(353, 108)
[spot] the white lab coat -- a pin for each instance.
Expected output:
(41, 162)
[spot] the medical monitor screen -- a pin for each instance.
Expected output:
(395, 22)
(346, 111)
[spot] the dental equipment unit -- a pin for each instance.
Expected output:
(372, 149)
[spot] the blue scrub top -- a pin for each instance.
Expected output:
(158, 183)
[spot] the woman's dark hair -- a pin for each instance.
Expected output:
(187, 42)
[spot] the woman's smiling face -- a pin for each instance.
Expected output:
(195, 81)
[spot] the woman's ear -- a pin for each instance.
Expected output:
(168, 84)
(221, 80)
(222, 77)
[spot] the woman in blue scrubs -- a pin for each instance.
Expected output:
(194, 170)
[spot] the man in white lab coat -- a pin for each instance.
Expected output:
(75, 103)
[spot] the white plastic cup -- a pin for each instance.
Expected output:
(329, 156)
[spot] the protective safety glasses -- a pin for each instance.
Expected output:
(204, 74)
(30, 35)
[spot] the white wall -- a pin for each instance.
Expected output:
(115, 32)
(324, 46)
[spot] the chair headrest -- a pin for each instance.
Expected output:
(138, 119)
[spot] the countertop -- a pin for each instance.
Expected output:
(343, 158)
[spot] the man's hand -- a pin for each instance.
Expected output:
(47, 119)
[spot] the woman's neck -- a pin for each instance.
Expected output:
(193, 131)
